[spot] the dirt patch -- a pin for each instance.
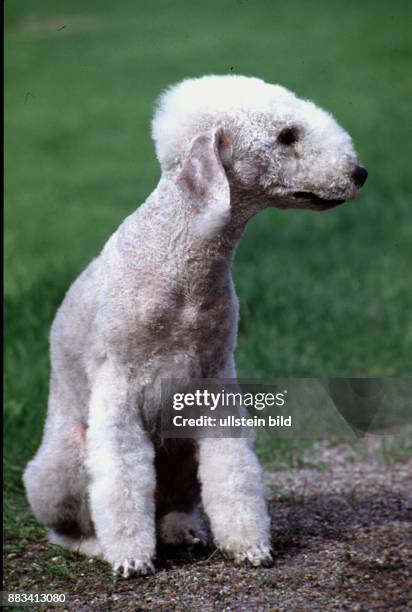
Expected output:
(343, 534)
(342, 537)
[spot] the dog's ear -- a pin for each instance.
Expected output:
(203, 179)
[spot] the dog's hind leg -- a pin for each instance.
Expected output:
(56, 479)
(89, 546)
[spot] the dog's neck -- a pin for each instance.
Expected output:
(161, 241)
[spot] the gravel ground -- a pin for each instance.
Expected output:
(342, 536)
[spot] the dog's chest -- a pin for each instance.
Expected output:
(181, 319)
(185, 334)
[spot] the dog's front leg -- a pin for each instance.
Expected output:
(120, 459)
(232, 495)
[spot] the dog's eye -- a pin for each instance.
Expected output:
(288, 136)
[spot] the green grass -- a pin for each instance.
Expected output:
(321, 295)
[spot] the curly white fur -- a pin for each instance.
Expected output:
(159, 302)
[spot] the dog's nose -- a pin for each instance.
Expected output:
(359, 175)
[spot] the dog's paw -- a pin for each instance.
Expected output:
(132, 567)
(258, 556)
(193, 537)
(181, 528)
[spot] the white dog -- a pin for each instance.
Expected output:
(159, 302)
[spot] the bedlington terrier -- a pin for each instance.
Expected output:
(159, 303)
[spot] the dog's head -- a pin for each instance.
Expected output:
(224, 138)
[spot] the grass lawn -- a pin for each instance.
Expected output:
(321, 294)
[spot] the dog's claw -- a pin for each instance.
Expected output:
(258, 556)
(132, 567)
